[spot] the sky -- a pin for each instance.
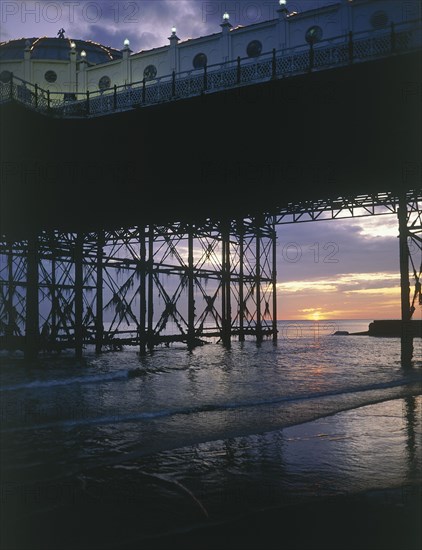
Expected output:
(339, 269)
(326, 270)
(146, 23)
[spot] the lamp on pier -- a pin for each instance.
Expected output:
(83, 65)
(283, 6)
(282, 10)
(126, 50)
(226, 25)
(72, 54)
(174, 39)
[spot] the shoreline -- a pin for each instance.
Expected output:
(375, 518)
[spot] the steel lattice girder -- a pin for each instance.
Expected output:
(223, 270)
(346, 207)
(118, 259)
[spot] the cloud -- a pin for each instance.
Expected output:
(147, 23)
(377, 226)
(347, 283)
(306, 286)
(380, 291)
(329, 249)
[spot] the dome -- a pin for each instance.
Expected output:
(57, 49)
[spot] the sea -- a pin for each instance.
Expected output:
(120, 447)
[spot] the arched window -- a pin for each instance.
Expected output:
(5, 76)
(314, 34)
(150, 72)
(50, 76)
(104, 83)
(379, 20)
(254, 48)
(199, 61)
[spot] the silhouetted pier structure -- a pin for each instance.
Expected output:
(148, 215)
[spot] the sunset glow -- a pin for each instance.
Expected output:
(361, 280)
(349, 296)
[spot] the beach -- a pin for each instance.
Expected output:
(312, 443)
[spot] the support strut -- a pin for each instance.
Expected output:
(142, 290)
(406, 329)
(99, 320)
(79, 329)
(32, 310)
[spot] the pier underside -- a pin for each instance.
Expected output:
(158, 225)
(236, 153)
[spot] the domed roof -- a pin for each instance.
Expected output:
(56, 49)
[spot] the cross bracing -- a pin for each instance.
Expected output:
(181, 282)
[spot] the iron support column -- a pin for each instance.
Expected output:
(10, 319)
(258, 283)
(78, 259)
(32, 308)
(191, 295)
(142, 291)
(223, 287)
(99, 318)
(406, 334)
(53, 292)
(150, 338)
(226, 306)
(241, 281)
(274, 281)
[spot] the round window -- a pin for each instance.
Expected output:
(5, 76)
(50, 76)
(313, 34)
(104, 82)
(150, 72)
(254, 48)
(199, 61)
(379, 20)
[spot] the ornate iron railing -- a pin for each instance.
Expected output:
(335, 52)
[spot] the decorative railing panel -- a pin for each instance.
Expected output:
(336, 52)
(330, 56)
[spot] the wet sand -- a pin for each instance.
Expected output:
(76, 517)
(388, 519)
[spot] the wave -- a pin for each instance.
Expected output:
(39, 384)
(213, 407)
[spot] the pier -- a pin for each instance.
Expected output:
(146, 214)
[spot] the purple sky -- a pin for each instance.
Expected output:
(363, 281)
(147, 23)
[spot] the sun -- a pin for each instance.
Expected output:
(316, 316)
(313, 314)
